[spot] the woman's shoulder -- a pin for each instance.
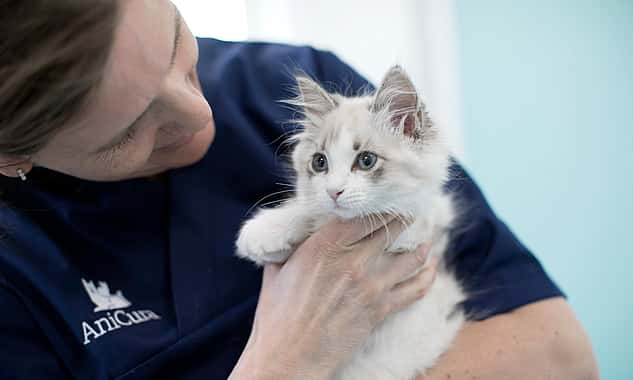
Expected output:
(264, 72)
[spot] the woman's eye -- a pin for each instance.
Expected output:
(319, 162)
(366, 160)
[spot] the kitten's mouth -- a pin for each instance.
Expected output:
(343, 211)
(338, 206)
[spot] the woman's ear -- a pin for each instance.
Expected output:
(10, 165)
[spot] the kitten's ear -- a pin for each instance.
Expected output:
(398, 98)
(314, 100)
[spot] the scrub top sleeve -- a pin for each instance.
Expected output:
(24, 351)
(337, 76)
(498, 272)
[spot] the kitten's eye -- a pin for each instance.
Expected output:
(366, 160)
(319, 162)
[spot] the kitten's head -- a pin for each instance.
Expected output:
(357, 156)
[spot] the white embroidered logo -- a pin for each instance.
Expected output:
(102, 298)
(114, 318)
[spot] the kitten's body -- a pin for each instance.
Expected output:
(410, 165)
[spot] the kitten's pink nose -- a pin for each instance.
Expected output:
(334, 193)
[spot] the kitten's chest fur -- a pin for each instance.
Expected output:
(410, 341)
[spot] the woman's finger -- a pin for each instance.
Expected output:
(381, 239)
(270, 272)
(405, 264)
(346, 233)
(406, 292)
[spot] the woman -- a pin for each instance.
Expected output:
(117, 252)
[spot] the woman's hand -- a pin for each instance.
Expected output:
(317, 308)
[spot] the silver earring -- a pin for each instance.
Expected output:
(21, 174)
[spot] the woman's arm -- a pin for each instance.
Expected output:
(542, 340)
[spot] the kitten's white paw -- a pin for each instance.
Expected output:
(263, 239)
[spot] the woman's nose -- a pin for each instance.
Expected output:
(191, 110)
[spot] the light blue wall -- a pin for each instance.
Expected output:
(548, 105)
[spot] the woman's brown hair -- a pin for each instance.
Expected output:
(53, 54)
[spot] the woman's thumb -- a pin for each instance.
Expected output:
(270, 273)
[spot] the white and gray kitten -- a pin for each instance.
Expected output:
(363, 157)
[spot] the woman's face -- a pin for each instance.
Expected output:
(149, 114)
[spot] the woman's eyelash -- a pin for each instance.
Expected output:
(109, 155)
(129, 136)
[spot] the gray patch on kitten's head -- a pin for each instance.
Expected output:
(391, 123)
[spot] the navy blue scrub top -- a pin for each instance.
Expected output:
(138, 279)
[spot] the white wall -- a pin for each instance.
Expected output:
(223, 19)
(370, 35)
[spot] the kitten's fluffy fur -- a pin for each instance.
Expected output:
(406, 180)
